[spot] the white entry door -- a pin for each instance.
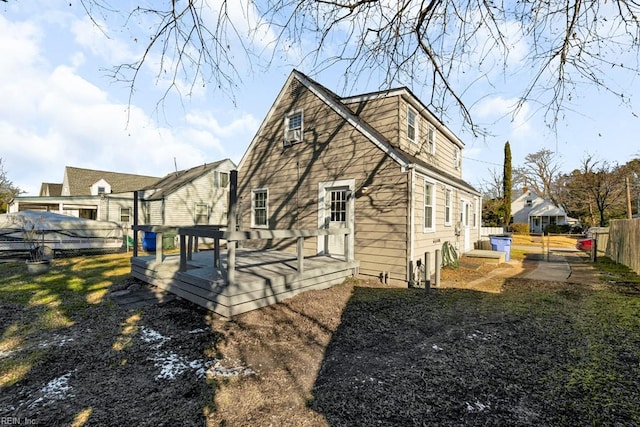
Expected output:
(336, 210)
(464, 226)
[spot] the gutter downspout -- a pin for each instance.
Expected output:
(410, 220)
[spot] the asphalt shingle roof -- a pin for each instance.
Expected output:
(80, 180)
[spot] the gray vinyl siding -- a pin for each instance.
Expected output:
(331, 150)
(180, 206)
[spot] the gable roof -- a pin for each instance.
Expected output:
(50, 189)
(173, 181)
(338, 105)
(80, 180)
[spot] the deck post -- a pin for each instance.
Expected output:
(300, 253)
(438, 264)
(135, 224)
(216, 252)
(190, 247)
(159, 246)
(183, 253)
(232, 226)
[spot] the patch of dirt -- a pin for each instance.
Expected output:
(360, 353)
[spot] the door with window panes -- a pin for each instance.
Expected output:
(336, 210)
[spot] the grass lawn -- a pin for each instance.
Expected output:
(537, 353)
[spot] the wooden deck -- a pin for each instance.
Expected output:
(261, 278)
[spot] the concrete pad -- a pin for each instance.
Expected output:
(556, 269)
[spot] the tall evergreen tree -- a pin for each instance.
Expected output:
(506, 184)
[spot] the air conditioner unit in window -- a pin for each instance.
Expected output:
(292, 136)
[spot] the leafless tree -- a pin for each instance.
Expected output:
(447, 46)
(596, 191)
(539, 173)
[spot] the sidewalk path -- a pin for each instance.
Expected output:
(563, 265)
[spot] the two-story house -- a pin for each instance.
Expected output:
(379, 163)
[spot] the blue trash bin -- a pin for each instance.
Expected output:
(502, 244)
(149, 241)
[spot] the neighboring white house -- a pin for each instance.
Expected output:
(196, 196)
(529, 208)
(192, 196)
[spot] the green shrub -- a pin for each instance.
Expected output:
(519, 228)
(558, 229)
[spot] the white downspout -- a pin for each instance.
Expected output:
(411, 220)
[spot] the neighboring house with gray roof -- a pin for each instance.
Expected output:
(192, 196)
(49, 189)
(529, 208)
(84, 182)
(88, 193)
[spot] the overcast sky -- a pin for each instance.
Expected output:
(60, 108)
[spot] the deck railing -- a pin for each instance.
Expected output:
(190, 235)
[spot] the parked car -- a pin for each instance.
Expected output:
(584, 245)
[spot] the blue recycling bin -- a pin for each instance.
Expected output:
(149, 241)
(502, 244)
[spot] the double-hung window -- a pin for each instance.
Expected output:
(456, 158)
(260, 208)
(293, 127)
(429, 206)
(447, 206)
(412, 125)
(431, 139)
(125, 214)
(201, 213)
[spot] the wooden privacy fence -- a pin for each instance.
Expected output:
(624, 242)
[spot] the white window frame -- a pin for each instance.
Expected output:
(456, 158)
(197, 213)
(293, 135)
(253, 207)
(431, 139)
(414, 126)
(448, 206)
(128, 214)
(218, 179)
(432, 206)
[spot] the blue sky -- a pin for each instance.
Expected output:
(60, 108)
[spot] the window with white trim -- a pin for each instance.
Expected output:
(201, 213)
(125, 214)
(412, 125)
(447, 206)
(221, 179)
(456, 158)
(431, 139)
(293, 127)
(429, 206)
(260, 208)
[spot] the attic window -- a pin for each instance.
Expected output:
(529, 203)
(293, 125)
(101, 190)
(412, 129)
(221, 179)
